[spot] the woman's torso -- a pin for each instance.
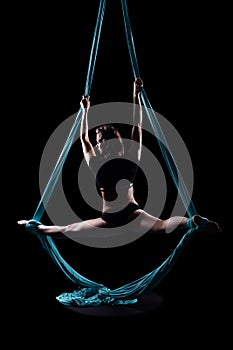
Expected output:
(114, 180)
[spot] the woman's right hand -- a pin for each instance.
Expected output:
(85, 102)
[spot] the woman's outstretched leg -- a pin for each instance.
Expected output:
(57, 231)
(151, 223)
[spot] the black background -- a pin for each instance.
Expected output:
(179, 50)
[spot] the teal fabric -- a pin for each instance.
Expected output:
(88, 292)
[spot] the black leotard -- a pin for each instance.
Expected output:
(121, 217)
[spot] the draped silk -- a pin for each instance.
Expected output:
(88, 292)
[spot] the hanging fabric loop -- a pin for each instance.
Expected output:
(89, 292)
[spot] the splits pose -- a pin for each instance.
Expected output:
(119, 204)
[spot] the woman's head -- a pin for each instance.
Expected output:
(109, 141)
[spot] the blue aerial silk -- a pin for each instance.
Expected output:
(89, 292)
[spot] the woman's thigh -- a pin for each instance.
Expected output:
(141, 220)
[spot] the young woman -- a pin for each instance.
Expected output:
(111, 162)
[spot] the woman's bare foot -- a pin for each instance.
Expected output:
(37, 227)
(206, 225)
(22, 222)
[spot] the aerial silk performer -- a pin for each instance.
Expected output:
(88, 292)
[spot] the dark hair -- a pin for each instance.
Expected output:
(107, 132)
